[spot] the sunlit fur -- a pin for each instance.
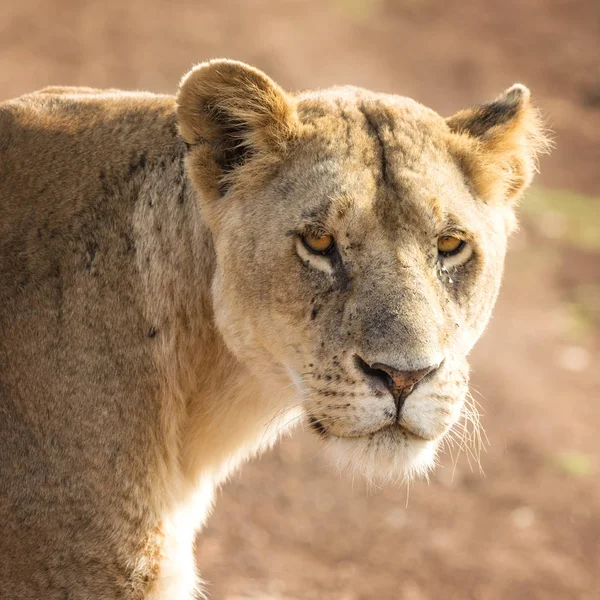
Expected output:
(498, 144)
(162, 321)
(391, 457)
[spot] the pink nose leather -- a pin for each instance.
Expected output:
(402, 382)
(403, 379)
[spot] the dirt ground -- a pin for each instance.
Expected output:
(287, 527)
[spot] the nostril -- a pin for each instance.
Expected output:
(399, 383)
(378, 374)
(404, 379)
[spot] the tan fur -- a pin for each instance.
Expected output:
(161, 320)
(499, 144)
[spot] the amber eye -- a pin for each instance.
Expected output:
(319, 244)
(449, 245)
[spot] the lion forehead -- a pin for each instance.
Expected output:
(386, 157)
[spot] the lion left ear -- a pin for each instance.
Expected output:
(498, 144)
(234, 118)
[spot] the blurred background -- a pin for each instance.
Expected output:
(287, 527)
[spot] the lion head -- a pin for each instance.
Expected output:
(360, 241)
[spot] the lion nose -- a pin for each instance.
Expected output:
(399, 383)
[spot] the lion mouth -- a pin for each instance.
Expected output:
(323, 432)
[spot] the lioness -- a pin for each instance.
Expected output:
(182, 278)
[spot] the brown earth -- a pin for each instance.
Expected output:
(287, 527)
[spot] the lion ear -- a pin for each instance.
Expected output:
(498, 144)
(232, 115)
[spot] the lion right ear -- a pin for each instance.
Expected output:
(498, 144)
(235, 119)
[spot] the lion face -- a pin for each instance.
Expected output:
(360, 244)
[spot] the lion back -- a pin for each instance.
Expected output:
(74, 342)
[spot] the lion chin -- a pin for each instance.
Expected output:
(389, 455)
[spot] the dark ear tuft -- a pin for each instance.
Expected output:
(232, 116)
(498, 144)
(479, 120)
